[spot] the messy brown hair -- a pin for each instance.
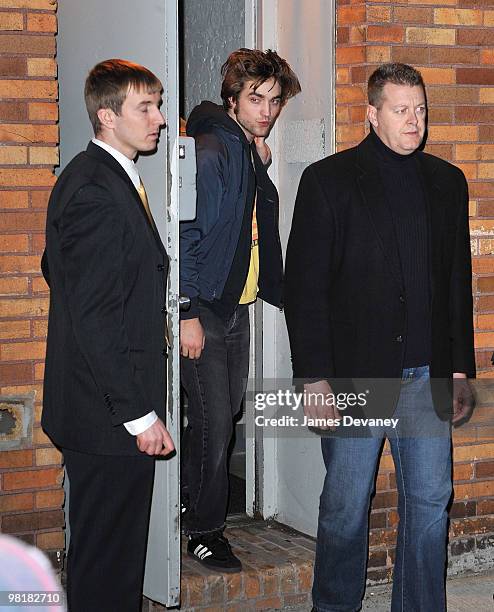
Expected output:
(257, 66)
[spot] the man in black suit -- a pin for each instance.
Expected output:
(105, 387)
(378, 286)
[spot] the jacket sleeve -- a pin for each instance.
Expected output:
(91, 242)
(308, 281)
(211, 181)
(461, 302)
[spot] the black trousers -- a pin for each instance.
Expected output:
(110, 499)
(215, 385)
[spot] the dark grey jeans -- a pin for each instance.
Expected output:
(215, 385)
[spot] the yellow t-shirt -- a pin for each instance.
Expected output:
(249, 294)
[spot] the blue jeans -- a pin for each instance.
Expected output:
(215, 385)
(424, 480)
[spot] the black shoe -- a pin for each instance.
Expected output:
(214, 552)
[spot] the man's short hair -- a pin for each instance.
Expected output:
(109, 82)
(257, 66)
(398, 74)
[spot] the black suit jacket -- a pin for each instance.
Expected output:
(106, 267)
(344, 298)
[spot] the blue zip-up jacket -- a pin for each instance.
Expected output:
(208, 244)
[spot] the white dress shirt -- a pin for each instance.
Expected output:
(139, 425)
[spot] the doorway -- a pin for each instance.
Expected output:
(208, 33)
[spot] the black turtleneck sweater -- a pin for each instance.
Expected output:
(408, 209)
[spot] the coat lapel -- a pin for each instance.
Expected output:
(373, 196)
(436, 207)
(109, 160)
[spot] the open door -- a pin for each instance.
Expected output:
(290, 469)
(145, 32)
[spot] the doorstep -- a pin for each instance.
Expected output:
(277, 566)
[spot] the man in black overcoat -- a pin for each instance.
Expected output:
(105, 387)
(378, 287)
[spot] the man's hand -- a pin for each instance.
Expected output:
(155, 440)
(263, 150)
(463, 399)
(191, 338)
(318, 403)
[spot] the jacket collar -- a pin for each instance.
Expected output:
(104, 157)
(374, 198)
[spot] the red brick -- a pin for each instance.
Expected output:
(269, 603)
(359, 74)
(22, 351)
(386, 33)
(486, 209)
(14, 285)
(377, 520)
(23, 133)
(32, 479)
(16, 502)
(412, 15)
(378, 14)
(14, 243)
(357, 114)
(32, 521)
(486, 132)
(462, 471)
(291, 601)
(35, 307)
(410, 55)
(39, 198)
(12, 66)
(463, 509)
(485, 284)
(49, 499)
(484, 303)
(444, 151)
(485, 506)
(351, 14)
(458, 55)
(26, 221)
(481, 190)
(377, 558)
(41, 22)
(484, 469)
(51, 540)
(43, 111)
(342, 35)
(452, 95)
(22, 177)
(14, 330)
(251, 585)
(28, 45)
(288, 579)
(46, 5)
(37, 243)
(473, 525)
(270, 581)
(14, 374)
(479, 37)
(475, 76)
(383, 500)
(13, 199)
(440, 114)
(349, 94)
(350, 55)
(16, 459)
(13, 111)
(476, 3)
(233, 586)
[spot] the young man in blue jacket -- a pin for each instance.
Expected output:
(230, 255)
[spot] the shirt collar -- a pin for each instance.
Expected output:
(126, 163)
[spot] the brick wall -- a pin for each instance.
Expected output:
(448, 40)
(30, 478)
